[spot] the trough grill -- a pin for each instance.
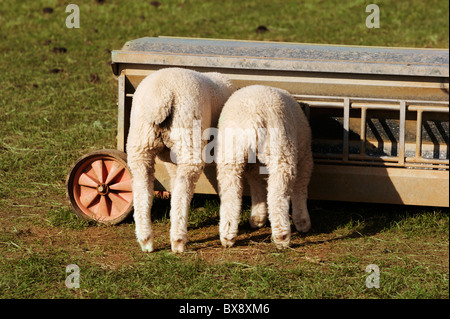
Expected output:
(374, 131)
(379, 116)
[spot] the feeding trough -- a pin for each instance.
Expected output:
(379, 117)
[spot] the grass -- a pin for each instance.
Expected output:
(52, 111)
(328, 263)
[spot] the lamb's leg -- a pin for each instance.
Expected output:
(278, 195)
(142, 168)
(258, 192)
(229, 177)
(183, 187)
(300, 215)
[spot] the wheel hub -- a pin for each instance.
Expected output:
(103, 189)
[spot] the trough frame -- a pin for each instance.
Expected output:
(358, 85)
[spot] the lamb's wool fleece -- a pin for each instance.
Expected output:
(283, 145)
(165, 108)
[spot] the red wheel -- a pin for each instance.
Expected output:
(99, 187)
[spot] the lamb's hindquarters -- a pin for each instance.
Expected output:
(184, 176)
(287, 157)
(167, 106)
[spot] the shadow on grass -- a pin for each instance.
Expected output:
(364, 219)
(354, 219)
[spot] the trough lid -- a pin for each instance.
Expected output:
(283, 56)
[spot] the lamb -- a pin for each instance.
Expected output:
(258, 126)
(167, 106)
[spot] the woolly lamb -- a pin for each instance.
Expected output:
(166, 106)
(266, 124)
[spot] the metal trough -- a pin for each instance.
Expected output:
(379, 115)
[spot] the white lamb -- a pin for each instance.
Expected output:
(266, 126)
(166, 106)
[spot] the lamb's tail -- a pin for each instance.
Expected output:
(159, 106)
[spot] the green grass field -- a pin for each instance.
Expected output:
(58, 102)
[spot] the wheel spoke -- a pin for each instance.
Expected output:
(98, 169)
(124, 186)
(102, 207)
(117, 202)
(88, 197)
(116, 169)
(88, 181)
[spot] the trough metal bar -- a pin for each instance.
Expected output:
(393, 107)
(388, 160)
(437, 109)
(121, 113)
(368, 159)
(369, 99)
(412, 105)
(401, 146)
(363, 131)
(317, 97)
(318, 104)
(346, 128)
(355, 100)
(386, 163)
(427, 160)
(419, 134)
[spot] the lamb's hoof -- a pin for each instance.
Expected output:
(257, 221)
(146, 245)
(178, 246)
(227, 243)
(282, 241)
(303, 225)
